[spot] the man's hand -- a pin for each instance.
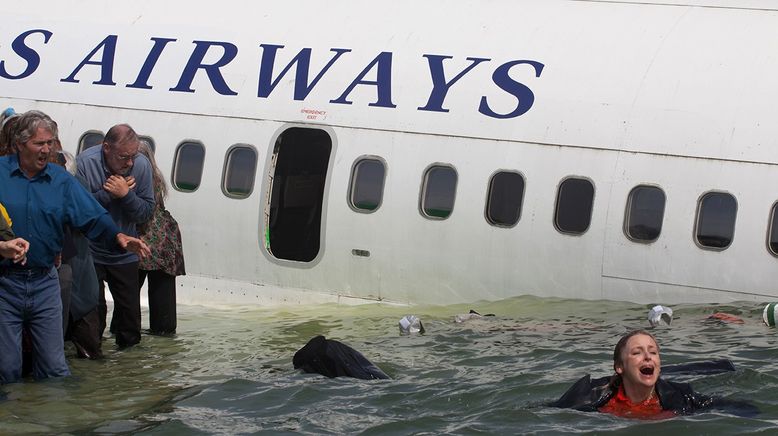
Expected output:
(15, 249)
(117, 186)
(130, 182)
(133, 244)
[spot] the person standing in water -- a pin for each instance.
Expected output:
(162, 235)
(119, 178)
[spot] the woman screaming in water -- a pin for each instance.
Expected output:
(635, 390)
(636, 361)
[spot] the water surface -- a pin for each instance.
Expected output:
(229, 371)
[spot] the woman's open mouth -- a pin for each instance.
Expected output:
(647, 370)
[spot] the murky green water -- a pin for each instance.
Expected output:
(230, 372)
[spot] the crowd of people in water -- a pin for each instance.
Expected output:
(70, 226)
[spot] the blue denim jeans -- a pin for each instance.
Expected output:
(31, 298)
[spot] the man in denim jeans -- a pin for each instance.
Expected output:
(40, 199)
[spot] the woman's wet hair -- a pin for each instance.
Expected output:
(615, 380)
(623, 343)
(160, 187)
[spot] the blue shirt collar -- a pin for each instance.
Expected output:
(16, 170)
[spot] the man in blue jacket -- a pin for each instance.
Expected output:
(120, 180)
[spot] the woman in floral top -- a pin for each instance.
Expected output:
(162, 235)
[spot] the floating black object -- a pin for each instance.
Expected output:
(335, 359)
(697, 368)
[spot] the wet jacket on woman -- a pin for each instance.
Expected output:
(589, 395)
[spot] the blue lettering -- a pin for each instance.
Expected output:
(522, 93)
(214, 75)
(383, 82)
(142, 82)
(303, 61)
(108, 46)
(439, 85)
(26, 53)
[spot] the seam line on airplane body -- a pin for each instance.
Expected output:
(739, 8)
(483, 138)
(759, 293)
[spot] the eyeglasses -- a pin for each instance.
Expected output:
(121, 158)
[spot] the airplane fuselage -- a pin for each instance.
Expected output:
(434, 153)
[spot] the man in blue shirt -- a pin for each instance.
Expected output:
(41, 198)
(120, 180)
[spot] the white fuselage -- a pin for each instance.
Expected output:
(680, 97)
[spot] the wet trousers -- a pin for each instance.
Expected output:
(31, 298)
(86, 335)
(162, 301)
(122, 281)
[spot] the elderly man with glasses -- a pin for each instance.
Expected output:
(120, 180)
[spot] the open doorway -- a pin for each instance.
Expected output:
(299, 172)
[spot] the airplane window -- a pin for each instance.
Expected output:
(438, 192)
(240, 167)
(367, 184)
(503, 205)
(149, 140)
(574, 206)
(88, 140)
(645, 212)
(772, 238)
(716, 220)
(188, 166)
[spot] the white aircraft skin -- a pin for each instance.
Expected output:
(675, 94)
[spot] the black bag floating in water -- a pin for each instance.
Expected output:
(334, 359)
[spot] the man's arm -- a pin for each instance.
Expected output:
(15, 249)
(133, 244)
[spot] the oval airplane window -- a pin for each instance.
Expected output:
(716, 214)
(188, 166)
(438, 192)
(645, 213)
(240, 168)
(367, 185)
(89, 140)
(149, 140)
(772, 236)
(574, 206)
(503, 204)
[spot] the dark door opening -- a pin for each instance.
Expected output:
(300, 157)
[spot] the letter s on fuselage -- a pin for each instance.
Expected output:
(24, 51)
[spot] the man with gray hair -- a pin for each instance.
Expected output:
(120, 179)
(41, 198)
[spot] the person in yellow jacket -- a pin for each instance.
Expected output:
(11, 247)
